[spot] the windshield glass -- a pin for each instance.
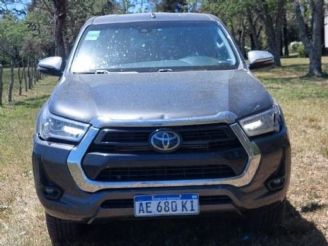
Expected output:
(153, 46)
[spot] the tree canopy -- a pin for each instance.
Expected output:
(39, 28)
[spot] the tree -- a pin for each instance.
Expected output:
(246, 25)
(173, 6)
(272, 13)
(1, 83)
(254, 30)
(310, 32)
(78, 11)
(12, 31)
(58, 24)
(60, 18)
(252, 15)
(25, 40)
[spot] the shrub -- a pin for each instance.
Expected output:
(301, 51)
(293, 46)
(298, 47)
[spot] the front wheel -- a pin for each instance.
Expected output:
(62, 232)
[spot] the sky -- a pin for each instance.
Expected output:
(139, 5)
(18, 4)
(142, 6)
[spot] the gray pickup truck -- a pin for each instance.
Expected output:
(158, 115)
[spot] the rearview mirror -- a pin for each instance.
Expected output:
(260, 59)
(51, 66)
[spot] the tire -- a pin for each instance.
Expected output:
(265, 219)
(63, 232)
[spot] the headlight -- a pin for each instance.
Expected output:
(55, 127)
(265, 122)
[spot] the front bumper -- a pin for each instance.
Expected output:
(58, 165)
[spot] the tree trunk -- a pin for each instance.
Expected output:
(11, 82)
(272, 27)
(286, 38)
(1, 83)
(125, 4)
(255, 43)
(274, 47)
(232, 29)
(60, 18)
(243, 39)
(29, 75)
(279, 24)
(20, 80)
(315, 60)
(315, 64)
(313, 45)
(34, 72)
(25, 78)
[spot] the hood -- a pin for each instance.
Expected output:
(158, 96)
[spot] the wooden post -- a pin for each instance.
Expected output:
(1, 85)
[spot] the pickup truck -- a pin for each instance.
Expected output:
(158, 115)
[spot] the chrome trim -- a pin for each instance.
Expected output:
(225, 117)
(84, 183)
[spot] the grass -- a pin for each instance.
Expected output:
(19, 209)
(305, 103)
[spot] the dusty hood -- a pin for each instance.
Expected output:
(158, 96)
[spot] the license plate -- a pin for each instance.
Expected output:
(166, 205)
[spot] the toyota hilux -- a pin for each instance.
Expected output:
(158, 115)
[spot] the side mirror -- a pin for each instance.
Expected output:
(260, 59)
(51, 66)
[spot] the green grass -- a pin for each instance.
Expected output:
(305, 103)
(288, 82)
(17, 123)
(287, 89)
(304, 100)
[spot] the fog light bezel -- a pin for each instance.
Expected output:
(55, 195)
(276, 187)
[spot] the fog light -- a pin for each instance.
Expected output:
(52, 193)
(276, 183)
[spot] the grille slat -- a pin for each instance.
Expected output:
(212, 137)
(165, 173)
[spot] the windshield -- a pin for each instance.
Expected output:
(153, 46)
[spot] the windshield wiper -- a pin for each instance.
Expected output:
(83, 72)
(102, 71)
(105, 71)
(165, 70)
(93, 72)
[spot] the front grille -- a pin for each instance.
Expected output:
(165, 173)
(215, 146)
(203, 200)
(211, 137)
